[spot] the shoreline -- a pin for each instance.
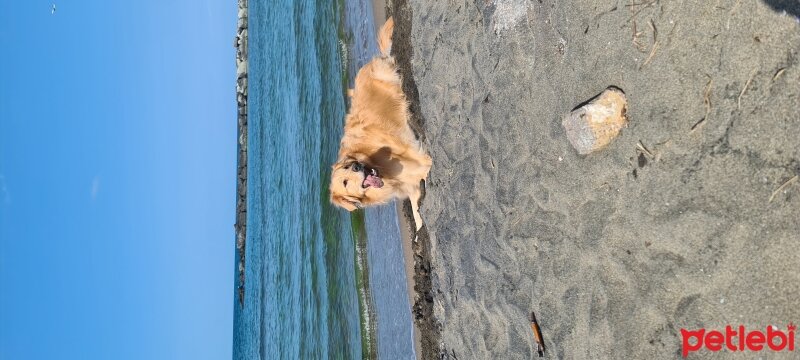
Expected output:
(411, 248)
(240, 226)
(407, 243)
(427, 336)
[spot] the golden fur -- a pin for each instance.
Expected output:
(377, 136)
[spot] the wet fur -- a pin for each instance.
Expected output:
(376, 134)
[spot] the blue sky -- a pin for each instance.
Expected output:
(117, 169)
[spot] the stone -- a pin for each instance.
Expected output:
(593, 126)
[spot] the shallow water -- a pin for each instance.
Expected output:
(395, 334)
(300, 289)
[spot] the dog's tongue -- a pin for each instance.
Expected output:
(372, 180)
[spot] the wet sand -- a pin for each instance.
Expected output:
(427, 338)
(689, 219)
(406, 223)
(406, 228)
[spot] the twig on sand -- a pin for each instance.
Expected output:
(644, 5)
(655, 31)
(787, 183)
(537, 335)
(650, 57)
(655, 44)
(636, 35)
(707, 96)
(643, 149)
(746, 85)
(778, 73)
(638, 4)
(707, 103)
(697, 124)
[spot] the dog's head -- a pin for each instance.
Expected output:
(350, 182)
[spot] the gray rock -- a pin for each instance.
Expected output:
(243, 140)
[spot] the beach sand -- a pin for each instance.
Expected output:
(689, 219)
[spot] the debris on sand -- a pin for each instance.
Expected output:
(777, 191)
(537, 335)
(594, 125)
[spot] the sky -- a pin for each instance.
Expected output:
(117, 170)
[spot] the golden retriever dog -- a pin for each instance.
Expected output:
(379, 159)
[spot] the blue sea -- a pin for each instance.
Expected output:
(319, 282)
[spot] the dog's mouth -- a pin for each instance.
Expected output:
(371, 176)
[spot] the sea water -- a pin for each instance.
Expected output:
(300, 298)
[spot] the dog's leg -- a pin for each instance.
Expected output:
(414, 197)
(385, 37)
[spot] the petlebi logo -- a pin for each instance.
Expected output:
(739, 339)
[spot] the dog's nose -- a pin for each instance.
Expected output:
(358, 167)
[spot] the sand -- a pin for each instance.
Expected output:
(683, 221)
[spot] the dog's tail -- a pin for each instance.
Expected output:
(385, 37)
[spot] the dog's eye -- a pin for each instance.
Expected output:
(344, 183)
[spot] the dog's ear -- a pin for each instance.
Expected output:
(348, 203)
(354, 201)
